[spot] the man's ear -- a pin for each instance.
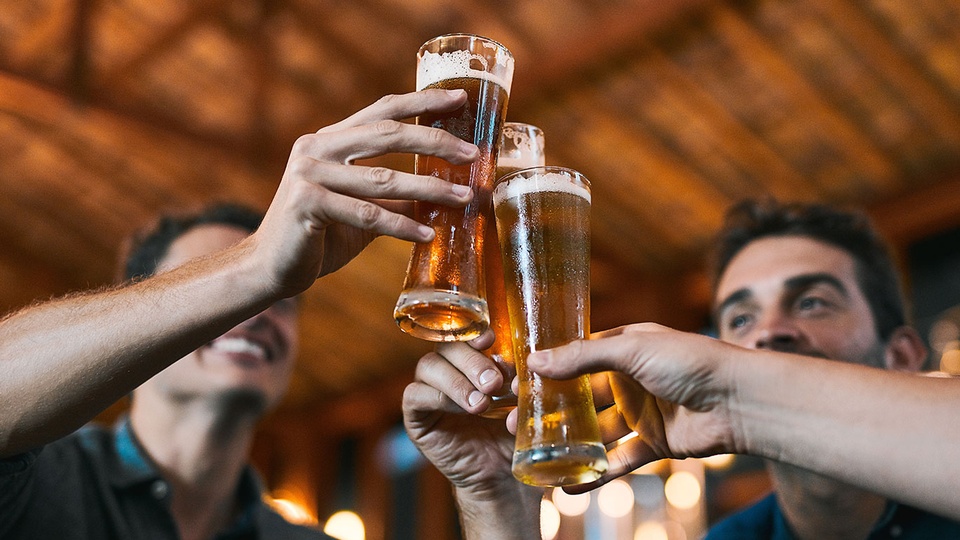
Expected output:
(905, 350)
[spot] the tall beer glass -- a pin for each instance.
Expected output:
(444, 297)
(543, 219)
(521, 146)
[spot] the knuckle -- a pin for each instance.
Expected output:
(368, 214)
(387, 127)
(436, 136)
(388, 100)
(382, 178)
(300, 165)
(304, 143)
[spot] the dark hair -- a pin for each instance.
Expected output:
(850, 231)
(150, 247)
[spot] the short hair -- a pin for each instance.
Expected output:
(149, 247)
(850, 231)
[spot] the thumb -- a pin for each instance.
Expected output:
(580, 357)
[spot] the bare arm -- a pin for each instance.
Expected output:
(64, 361)
(892, 433)
(440, 413)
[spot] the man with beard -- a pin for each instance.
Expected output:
(791, 283)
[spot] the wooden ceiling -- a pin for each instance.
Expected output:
(113, 111)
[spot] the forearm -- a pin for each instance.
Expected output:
(513, 515)
(65, 361)
(892, 433)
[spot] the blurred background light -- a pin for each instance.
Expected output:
(616, 499)
(549, 520)
(570, 505)
(345, 525)
(718, 462)
(682, 490)
(651, 530)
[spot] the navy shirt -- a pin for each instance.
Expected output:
(97, 484)
(765, 521)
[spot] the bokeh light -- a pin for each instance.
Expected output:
(650, 530)
(718, 462)
(345, 525)
(549, 520)
(616, 499)
(682, 490)
(570, 505)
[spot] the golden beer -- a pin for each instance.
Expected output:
(444, 296)
(543, 219)
(521, 146)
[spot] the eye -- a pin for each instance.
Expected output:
(809, 303)
(739, 321)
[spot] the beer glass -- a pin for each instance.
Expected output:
(543, 220)
(444, 297)
(521, 146)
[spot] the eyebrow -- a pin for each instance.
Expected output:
(795, 283)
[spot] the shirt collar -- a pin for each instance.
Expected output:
(130, 464)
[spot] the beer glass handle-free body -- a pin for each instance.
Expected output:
(521, 146)
(543, 220)
(444, 296)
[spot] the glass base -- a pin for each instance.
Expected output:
(560, 465)
(436, 315)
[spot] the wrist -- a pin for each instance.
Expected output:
(509, 513)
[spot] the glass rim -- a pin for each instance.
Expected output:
(499, 45)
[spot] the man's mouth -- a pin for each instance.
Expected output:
(240, 345)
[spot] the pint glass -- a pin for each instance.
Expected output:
(444, 297)
(543, 220)
(521, 146)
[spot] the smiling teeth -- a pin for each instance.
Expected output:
(239, 345)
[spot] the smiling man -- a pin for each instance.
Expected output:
(204, 338)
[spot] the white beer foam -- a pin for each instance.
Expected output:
(521, 162)
(435, 67)
(537, 183)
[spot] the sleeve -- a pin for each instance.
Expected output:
(16, 482)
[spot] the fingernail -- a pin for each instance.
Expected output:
(460, 190)
(487, 376)
(539, 358)
(469, 150)
(474, 397)
(425, 232)
(456, 93)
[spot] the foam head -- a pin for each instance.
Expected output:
(488, 61)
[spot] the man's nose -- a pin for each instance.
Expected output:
(777, 333)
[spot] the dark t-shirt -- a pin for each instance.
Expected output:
(765, 521)
(97, 484)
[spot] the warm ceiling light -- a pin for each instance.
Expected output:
(345, 525)
(616, 499)
(719, 461)
(651, 530)
(549, 520)
(682, 490)
(570, 505)
(292, 511)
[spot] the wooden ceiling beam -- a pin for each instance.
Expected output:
(847, 136)
(617, 33)
(151, 47)
(876, 50)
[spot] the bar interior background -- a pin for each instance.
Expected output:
(114, 110)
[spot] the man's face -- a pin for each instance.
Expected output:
(796, 294)
(252, 361)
